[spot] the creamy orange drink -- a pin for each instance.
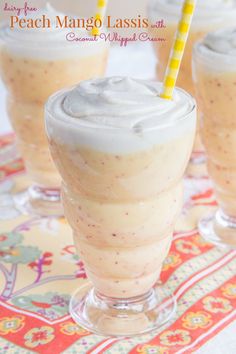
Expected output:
(121, 151)
(215, 80)
(209, 15)
(35, 63)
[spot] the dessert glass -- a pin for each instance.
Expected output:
(122, 193)
(215, 81)
(32, 67)
(209, 15)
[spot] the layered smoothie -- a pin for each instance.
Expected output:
(121, 151)
(209, 15)
(215, 80)
(34, 63)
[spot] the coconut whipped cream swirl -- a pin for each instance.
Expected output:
(118, 107)
(206, 10)
(222, 41)
(41, 42)
(218, 50)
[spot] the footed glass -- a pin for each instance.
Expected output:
(215, 81)
(32, 68)
(122, 207)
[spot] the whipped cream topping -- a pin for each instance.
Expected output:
(49, 42)
(218, 49)
(213, 10)
(222, 41)
(123, 103)
(123, 109)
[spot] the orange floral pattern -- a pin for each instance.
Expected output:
(187, 247)
(11, 324)
(33, 316)
(152, 349)
(71, 328)
(229, 291)
(39, 336)
(217, 304)
(171, 261)
(199, 319)
(177, 337)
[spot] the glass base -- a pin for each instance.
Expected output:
(39, 201)
(121, 317)
(219, 229)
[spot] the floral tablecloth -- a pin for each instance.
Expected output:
(39, 270)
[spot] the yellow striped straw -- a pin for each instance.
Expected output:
(100, 14)
(178, 49)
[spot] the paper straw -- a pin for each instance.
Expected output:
(178, 49)
(100, 14)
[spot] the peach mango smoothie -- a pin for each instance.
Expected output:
(30, 82)
(209, 15)
(33, 65)
(122, 233)
(215, 80)
(113, 142)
